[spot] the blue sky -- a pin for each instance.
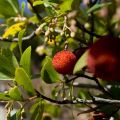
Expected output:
(26, 8)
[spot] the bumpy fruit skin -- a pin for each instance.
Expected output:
(64, 62)
(104, 58)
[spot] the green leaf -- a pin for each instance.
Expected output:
(13, 29)
(23, 4)
(48, 73)
(4, 96)
(13, 117)
(9, 8)
(37, 111)
(13, 45)
(15, 94)
(8, 63)
(45, 3)
(53, 110)
(38, 3)
(14, 5)
(18, 114)
(23, 80)
(20, 35)
(82, 62)
(5, 77)
(114, 91)
(66, 5)
(25, 61)
(98, 6)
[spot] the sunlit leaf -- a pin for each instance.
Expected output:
(4, 96)
(46, 3)
(13, 45)
(15, 94)
(14, 29)
(66, 5)
(25, 61)
(3, 76)
(38, 3)
(23, 80)
(82, 62)
(48, 73)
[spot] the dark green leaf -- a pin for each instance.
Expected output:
(98, 6)
(25, 61)
(48, 73)
(13, 117)
(114, 91)
(14, 4)
(23, 80)
(20, 35)
(53, 110)
(8, 8)
(18, 114)
(8, 63)
(37, 111)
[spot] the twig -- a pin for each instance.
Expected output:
(32, 35)
(102, 88)
(72, 79)
(35, 10)
(99, 85)
(88, 86)
(97, 100)
(80, 26)
(92, 78)
(54, 101)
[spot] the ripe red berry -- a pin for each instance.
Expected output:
(64, 62)
(104, 58)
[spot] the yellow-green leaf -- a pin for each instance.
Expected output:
(23, 80)
(82, 62)
(15, 94)
(48, 73)
(14, 29)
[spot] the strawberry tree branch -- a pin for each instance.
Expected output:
(97, 100)
(87, 86)
(34, 9)
(99, 85)
(92, 78)
(80, 26)
(32, 35)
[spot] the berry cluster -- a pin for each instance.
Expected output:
(103, 59)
